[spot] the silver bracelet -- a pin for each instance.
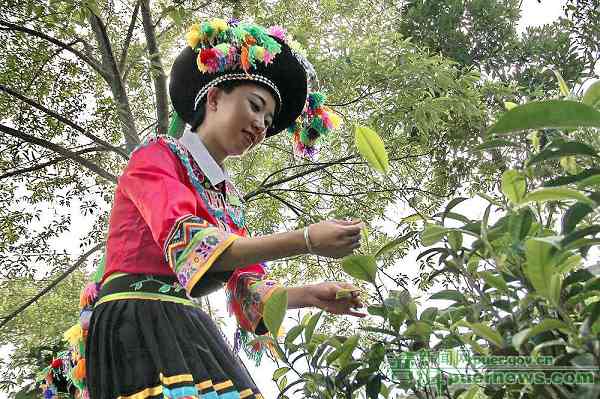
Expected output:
(307, 240)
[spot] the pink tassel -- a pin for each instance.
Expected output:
(267, 57)
(278, 32)
(88, 295)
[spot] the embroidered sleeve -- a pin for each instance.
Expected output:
(247, 291)
(179, 223)
(193, 247)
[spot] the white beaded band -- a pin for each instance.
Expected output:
(307, 240)
(236, 76)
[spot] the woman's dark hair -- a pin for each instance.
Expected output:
(228, 86)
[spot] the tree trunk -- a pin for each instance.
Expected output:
(116, 83)
(158, 74)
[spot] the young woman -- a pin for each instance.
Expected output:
(177, 228)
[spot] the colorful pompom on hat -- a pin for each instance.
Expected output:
(220, 51)
(313, 125)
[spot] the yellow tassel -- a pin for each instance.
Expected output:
(335, 119)
(73, 335)
(218, 24)
(193, 38)
(259, 53)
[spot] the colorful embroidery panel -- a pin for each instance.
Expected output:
(193, 247)
(248, 297)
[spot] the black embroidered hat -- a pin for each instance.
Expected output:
(220, 51)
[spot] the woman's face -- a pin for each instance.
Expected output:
(239, 120)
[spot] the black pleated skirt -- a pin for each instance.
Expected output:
(147, 340)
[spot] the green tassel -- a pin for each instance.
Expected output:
(318, 99)
(207, 29)
(317, 124)
(176, 126)
(271, 45)
(97, 276)
(245, 339)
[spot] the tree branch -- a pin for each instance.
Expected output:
(60, 150)
(158, 74)
(20, 309)
(115, 82)
(263, 187)
(87, 59)
(292, 207)
(49, 163)
(352, 194)
(41, 68)
(65, 121)
(123, 58)
(321, 166)
(357, 99)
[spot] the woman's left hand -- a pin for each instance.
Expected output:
(323, 296)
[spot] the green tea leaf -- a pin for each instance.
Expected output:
(545, 325)
(520, 223)
(563, 180)
(280, 372)
(376, 310)
(450, 295)
(557, 194)
(429, 314)
(362, 267)
(573, 216)
(390, 246)
(293, 333)
(494, 281)
(592, 95)
(559, 149)
(432, 234)
(274, 310)
(454, 202)
(455, 239)
(581, 233)
(484, 332)
(371, 148)
(346, 350)
(343, 293)
(510, 105)
(419, 329)
(546, 114)
(310, 327)
(590, 181)
(513, 185)
(562, 85)
(540, 265)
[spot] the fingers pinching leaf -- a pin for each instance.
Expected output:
(344, 293)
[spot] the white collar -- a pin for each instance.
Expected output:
(211, 169)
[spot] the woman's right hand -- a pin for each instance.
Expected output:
(335, 238)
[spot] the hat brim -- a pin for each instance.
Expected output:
(285, 71)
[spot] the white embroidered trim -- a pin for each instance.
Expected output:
(235, 76)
